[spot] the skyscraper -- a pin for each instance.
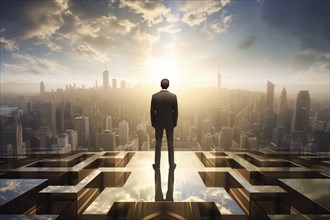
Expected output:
(63, 142)
(123, 132)
(269, 123)
(206, 129)
(106, 140)
(219, 80)
(73, 138)
(42, 88)
(48, 116)
(283, 101)
(226, 137)
(81, 125)
(11, 139)
(219, 76)
(114, 83)
(107, 122)
(207, 141)
(68, 115)
(283, 108)
(105, 78)
(302, 112)
(270, 95)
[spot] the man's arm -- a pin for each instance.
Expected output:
(175, 111)
(152, 112)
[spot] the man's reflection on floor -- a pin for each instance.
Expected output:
(158, 185)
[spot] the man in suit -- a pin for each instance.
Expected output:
(164, 115)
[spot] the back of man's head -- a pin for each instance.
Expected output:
(165, 83)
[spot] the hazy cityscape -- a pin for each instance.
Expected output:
(114, 117)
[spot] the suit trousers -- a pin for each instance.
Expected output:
(159, 137)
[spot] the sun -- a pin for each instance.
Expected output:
(166, 67)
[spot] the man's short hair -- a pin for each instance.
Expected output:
(165, 83)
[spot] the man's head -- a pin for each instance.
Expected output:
(165, 83)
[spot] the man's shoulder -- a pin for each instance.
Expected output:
(163, 93)
(172, 94)
(156, 94)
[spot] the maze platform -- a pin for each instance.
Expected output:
(205, 185)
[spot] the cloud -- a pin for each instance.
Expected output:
(172, 29)
(27, 64)
(85, 51)
(195, 12)
(83, 29)
(170, 18)
(312, 65)
(8, 44)
(90, 9)
(36, 21)
(247, 43)
(152, 11)
(306, 58)
(307, 21)
(217, 26)
(28, 19)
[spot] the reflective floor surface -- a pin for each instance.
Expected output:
(204, 185)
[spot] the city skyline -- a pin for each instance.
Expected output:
(248, 43)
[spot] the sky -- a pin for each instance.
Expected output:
(64, 42)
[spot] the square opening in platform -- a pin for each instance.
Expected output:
(62, 162)
(164, 210)
(267, 163)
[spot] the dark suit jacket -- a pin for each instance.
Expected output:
(164, 110)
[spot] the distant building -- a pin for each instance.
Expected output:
(302, 112)
(105, 79)
(42, 138)
(123, 132)
(106, 140)
(243, 140)
(114, 83)
(322, 139)
(278, 138)
(12, 140)
(219, 81)
(42, 88)
(81, 125)
(107, 123)
(269, 124)
(298, 137)
(253, 143)
(48, 116)
(226, 137)
(283, 108)
(186, 130)
(207, 142)
(270, 95)
(206, 128)
(60, 118)
(72, 138)
(143, 139)
(68, 115)
(224, 117)
(62, 143)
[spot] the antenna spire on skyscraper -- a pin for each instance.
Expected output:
(219, 75)
(105, 63)
(219, 65)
